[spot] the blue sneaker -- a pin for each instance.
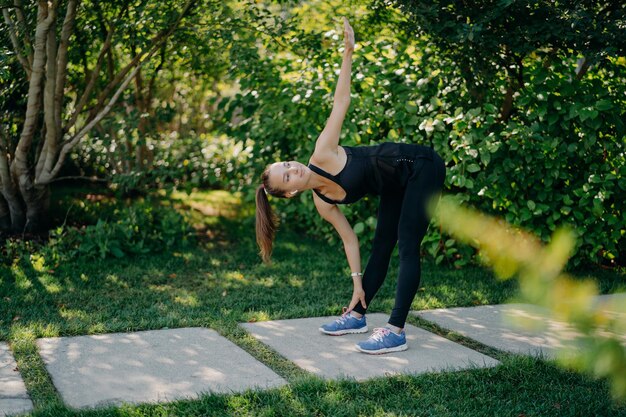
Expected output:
(346, 324)
(383, 340)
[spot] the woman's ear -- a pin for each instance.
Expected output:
(293, 193)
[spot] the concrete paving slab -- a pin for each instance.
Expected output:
(150, 366)
(613, 303)
(494, 325)
(300, 341)
(13, 396)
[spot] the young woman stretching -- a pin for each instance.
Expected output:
(405, 176)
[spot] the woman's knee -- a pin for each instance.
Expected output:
(409, 250)
(383, 249)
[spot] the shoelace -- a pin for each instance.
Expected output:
(344, 315)
(380, 333)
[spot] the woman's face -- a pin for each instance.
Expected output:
(289, 176)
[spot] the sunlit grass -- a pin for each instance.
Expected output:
(211, 203)
(221, 284)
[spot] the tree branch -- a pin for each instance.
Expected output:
(5, 178)
(50, 138)
(68, 26)
(68, 145)
(154, 44)
(16, 43)
(45, 17)
(78, 177)
(7, 186)
(93, 75)
(53, 95)
(19, 11)
(154, 75)
(582, 67)
(520, 72)
(138, 61)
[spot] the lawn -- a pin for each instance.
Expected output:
(221, 282)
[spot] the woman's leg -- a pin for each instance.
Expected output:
(421, 188)
(385, 239)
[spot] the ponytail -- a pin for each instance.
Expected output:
(266, 220)
(266, 224)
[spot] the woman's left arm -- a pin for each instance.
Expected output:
(328, 140)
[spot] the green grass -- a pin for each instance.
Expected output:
(221, 283)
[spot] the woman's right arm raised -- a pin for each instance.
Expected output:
(328, 140)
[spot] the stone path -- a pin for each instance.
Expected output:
(148, 366)
(495, 326)
(13, 395)
(300, 341)
(164, 365)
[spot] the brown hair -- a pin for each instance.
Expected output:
(266, 220)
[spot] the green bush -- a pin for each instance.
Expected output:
(182, 162)
(557, 158)
(137, 229)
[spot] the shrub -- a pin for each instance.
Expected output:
(137, 229)
(558, 157)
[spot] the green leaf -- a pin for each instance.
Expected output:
(359, 228)
(587, 113)
(531, 204)
(473, 168)
(604, 104)
(542, 110)
(491, 108)
(413, 121)
(117, 252)
(553, 118)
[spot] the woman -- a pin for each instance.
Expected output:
(405, 176)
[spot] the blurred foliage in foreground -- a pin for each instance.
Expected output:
(596, 346)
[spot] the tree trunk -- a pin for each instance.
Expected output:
(37, 201)
(507, 105)
(16, 218)
(5, 215)
(24, 182)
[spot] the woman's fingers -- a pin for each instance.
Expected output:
(346, 25)
(348, 33)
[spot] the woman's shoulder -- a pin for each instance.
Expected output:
(329, 161)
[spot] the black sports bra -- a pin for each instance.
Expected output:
(375, 169)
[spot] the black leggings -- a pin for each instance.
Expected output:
(403, 218)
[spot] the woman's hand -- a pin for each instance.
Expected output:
(358, 295)
(348, 35)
